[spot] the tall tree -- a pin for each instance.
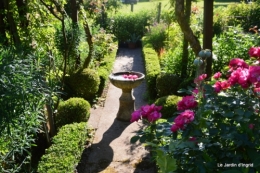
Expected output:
(22, 11)
(3, 27)
(12, 26)
(208, 32)
(185, 27)
(185, 55)
(207, 29)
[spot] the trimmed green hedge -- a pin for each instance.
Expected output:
(65, 152)
(105, 69)
(169, 104)
(73, 110)
(152, 69)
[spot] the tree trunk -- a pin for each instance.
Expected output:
(22, 11)
(185, 27)
(74, 11)
(208, 32)
(90, 44)
(2, 25)
(185, 55)
(12, 24)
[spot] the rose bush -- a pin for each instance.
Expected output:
(216, 127)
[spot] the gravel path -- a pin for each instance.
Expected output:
(111, 151)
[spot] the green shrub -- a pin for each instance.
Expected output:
(72, 110)
(169, 104)
(84, 83)
(23, 95)
(124, 25)
(233, 43)
(245, 15)
(66, 150)
(156, 37)
(167, 84)
(152, 69)
(105, 68)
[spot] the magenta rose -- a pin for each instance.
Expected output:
(187, 102)
(254, 52)
(217, 75)
(155, 115)
(236, 63)
(135, 116)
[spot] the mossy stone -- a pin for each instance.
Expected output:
(169, 104)
(71, 111)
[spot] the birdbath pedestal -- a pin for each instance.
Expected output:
(126, 81)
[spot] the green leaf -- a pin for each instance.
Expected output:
(134, 139)
(240, 112)
(143, 139)
(166, 163)
(228, 114)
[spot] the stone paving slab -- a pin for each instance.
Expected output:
(111, 151)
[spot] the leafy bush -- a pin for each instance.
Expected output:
(73, 110)
(84, 83)
(65, 152)
(156, 36)
(23, 95)
(103, 44)
(216, 125)
(167, 84)
(152, 69)
(248, 14)
(171, 62)
(74, 36)
(169, 105)
(105, 68)
(230, 44)
(124, 25)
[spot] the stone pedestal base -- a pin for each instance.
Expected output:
(126, 105)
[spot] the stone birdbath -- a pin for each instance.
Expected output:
(126, 81)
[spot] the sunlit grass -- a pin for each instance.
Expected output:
(145, 6)
(165, 4)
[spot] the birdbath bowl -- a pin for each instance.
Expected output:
(126, 81)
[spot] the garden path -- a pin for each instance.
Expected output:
(111, 150)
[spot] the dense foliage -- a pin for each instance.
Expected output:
(23, 95)
(66, 150)
(73, 110)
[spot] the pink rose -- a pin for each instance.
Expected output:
(187, 102)
(174, 128)
(155, 115)
(254, 52)
(217, 75)
(217, 87)
(237, 62)
(188, 116)
(179, 121)
(225, 85)
(135, 116)
(254, 74)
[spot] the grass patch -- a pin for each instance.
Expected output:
(145, 6)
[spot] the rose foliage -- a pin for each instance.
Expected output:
(217, 123)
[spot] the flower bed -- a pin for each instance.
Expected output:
(216, 127)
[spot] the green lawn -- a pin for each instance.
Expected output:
(152, 5)
(145, 6)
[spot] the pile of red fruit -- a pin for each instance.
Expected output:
(130, 76)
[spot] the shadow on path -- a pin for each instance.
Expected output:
(103, 149)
